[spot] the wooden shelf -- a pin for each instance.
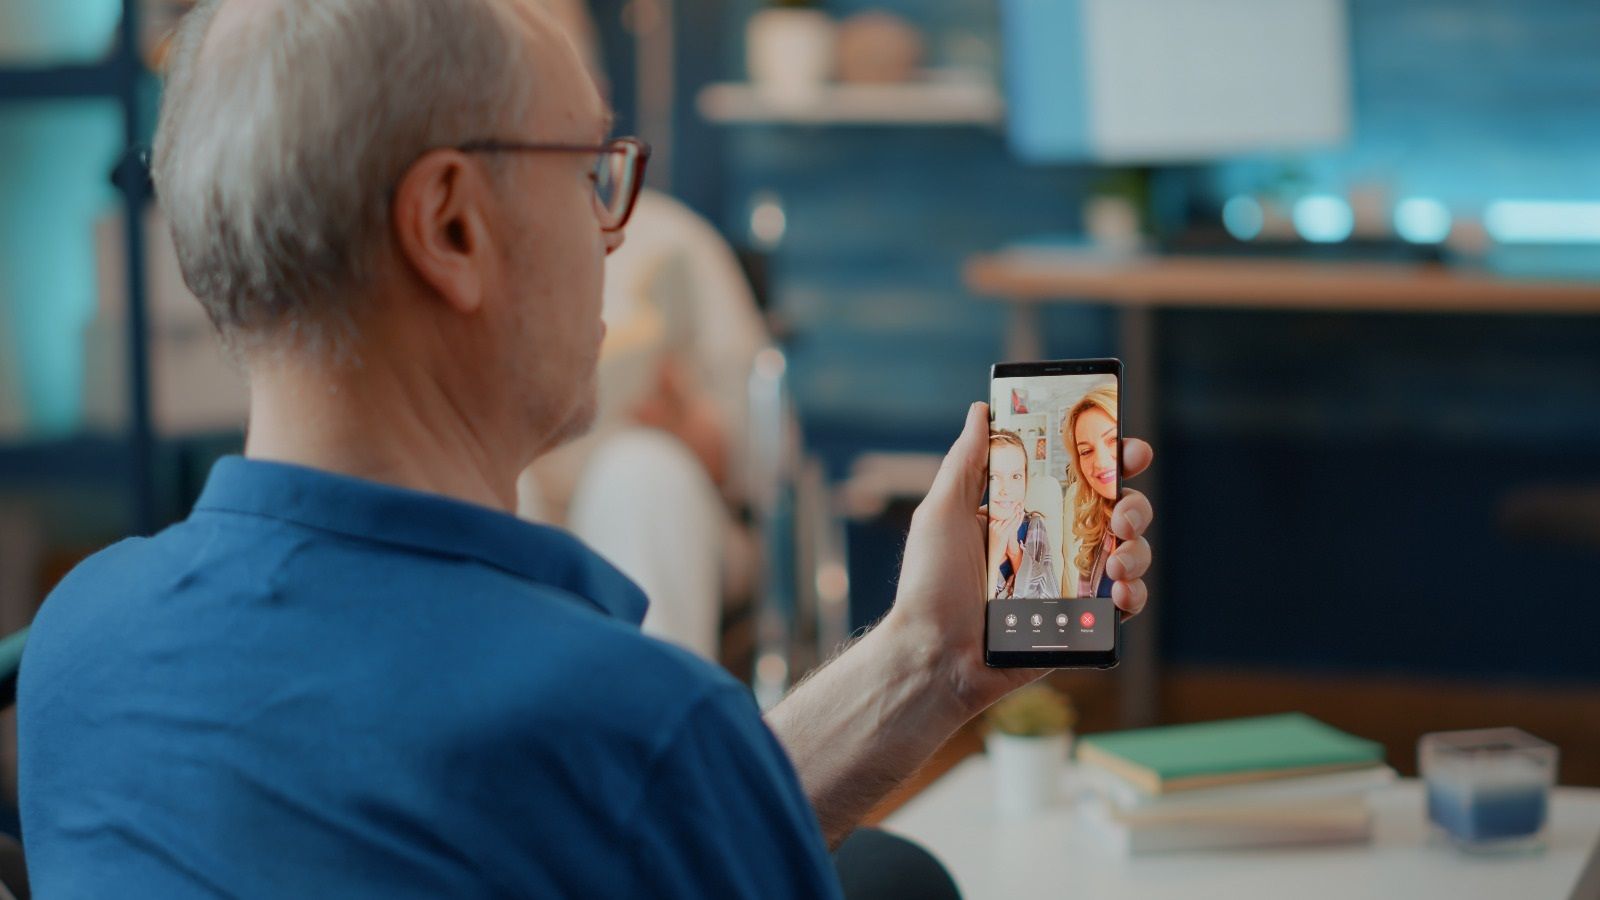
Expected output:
(1044, 276)
(935, 102)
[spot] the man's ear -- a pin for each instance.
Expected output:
(441, 229)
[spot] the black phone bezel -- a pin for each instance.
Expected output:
(1058, 659)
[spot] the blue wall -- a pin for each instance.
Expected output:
(1465, 100)
(1334, 488)
(869, 277)
(886, 340)
(1468, 100)
(1368, 465)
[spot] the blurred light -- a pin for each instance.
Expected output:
(1323, 218)
(772, 668)
(768, 222)
(833, 584)
(642, 17)
(770, 363)
(1243, 217)
(1543, 222)
(1422, 220)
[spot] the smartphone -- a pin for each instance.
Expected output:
(1055, 472)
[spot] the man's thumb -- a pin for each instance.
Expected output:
(960, 478)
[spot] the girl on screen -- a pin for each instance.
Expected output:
(1019, 544)
(1089, 432)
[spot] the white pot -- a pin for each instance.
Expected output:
(1027, 771)
(1113, 224)
(789, 53)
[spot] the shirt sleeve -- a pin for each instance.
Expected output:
(722, 813)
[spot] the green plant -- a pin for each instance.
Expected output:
(1134, 185)
(1037, 710)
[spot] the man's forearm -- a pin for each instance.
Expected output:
(863, 723)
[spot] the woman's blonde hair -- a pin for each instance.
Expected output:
(1091, 513)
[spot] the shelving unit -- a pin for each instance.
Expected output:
(85, 459)
(926, 103)
(92, 457)
(60, 82)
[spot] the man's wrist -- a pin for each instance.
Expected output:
(935, 669)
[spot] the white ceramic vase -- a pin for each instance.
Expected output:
(789, 53)
(1027, 771)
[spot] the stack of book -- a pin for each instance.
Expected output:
(1266, 781)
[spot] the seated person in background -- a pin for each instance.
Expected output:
(1089, 431)
(1020, 563)
(352, 671)
(682, 332)
(663, 445)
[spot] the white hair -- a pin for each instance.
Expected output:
(278, 149)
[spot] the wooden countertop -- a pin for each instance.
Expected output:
(1045, 276)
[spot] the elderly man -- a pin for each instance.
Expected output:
(351, 671)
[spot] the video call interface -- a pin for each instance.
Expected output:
(1053, 467)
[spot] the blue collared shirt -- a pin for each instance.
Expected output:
(322, 686)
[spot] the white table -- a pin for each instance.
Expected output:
(1052, 855)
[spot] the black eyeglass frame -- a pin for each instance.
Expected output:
(641, 156)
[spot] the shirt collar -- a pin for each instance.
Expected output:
(368, 510)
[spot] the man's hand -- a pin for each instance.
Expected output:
(939, 606)
(859, 725)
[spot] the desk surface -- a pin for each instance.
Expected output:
(1026, 275)
(1051, 855)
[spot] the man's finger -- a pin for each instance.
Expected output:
(961, 475)
(1130, 597)
(1131, 516)
(1130, 561)
(1136, 456)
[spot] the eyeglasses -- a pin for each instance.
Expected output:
(618, 171)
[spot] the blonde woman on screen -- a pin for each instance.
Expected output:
(1089, 432)
(1020, 563)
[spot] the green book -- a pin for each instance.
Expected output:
(1235, 751)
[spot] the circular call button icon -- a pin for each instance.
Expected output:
(1061, 620)
(1086, 620)
(1011, 620)
(1036, 619)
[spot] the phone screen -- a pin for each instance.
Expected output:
(1055, 472)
